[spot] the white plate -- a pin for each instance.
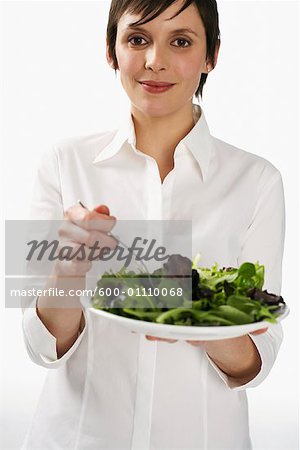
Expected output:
(181, 332)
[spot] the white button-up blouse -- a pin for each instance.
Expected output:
(115, 390)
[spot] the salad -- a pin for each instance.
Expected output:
(214, 296)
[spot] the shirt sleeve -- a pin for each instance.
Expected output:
(46, 205)
(264, 242)
(41, 344)
(47, 201)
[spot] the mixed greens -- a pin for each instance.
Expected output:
(207, 296)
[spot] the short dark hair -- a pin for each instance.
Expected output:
(150, 9)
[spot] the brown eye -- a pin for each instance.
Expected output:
(180, 42)
(137, 41)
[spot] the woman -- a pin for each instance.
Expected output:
(112, 389)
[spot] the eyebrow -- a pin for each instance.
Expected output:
(177, 31)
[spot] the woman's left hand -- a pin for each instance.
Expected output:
(196, 343)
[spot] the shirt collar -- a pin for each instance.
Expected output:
(198, 141)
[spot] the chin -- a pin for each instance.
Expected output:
(155, 107)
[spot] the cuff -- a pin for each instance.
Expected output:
(41, 342)
(267, 345)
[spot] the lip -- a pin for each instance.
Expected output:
(155, 87)
(155, 83)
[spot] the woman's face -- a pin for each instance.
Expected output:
(161, 62)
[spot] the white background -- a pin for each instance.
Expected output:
(56, 84)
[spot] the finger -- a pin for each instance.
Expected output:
(72, 251)
(102, 209)
(90, 220)
(74, 233)
(72, 268)
(196, 343)
(261, 331)
(71, 232)
(101, 222)
(153, 338)
(101, 240)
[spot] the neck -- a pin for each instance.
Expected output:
(159, 136)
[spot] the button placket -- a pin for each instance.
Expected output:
(147, 349)
(144, 394)
(154, 191)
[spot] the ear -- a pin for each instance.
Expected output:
(209, 65)
(109, 57)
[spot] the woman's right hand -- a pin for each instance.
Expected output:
(82, 226)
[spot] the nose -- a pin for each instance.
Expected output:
(156, 59)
